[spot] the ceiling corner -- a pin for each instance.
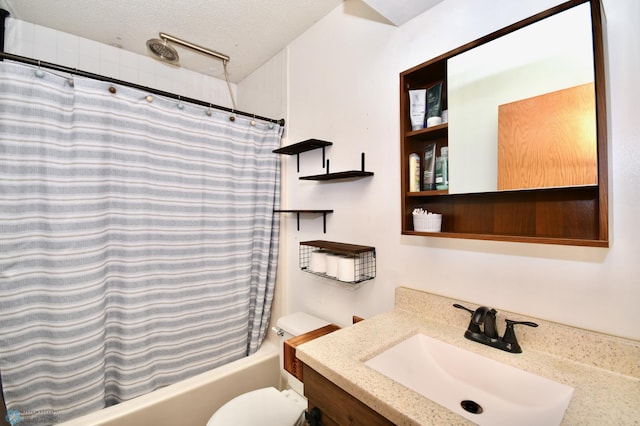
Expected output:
(400, 12)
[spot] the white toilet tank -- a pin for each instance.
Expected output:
(268, 406)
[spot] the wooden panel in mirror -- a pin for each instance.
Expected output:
(548, 141)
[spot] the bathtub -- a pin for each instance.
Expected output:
(192, 401)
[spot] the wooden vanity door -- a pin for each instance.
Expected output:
(337, 407)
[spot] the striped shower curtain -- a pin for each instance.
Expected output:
(138, 242)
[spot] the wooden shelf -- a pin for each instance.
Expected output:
(432, 193)
(341, 175)
(338, 175)
(566, 216)
(309, 145)
(298, 212)
(440, 128)
(342, 248)
(304, 146)
(513, 238)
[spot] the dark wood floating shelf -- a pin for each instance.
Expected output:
(341, 175)
(298, 212)
(304, 146)
(338, 175)
(342, 248)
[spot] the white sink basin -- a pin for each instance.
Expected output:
(454, 377)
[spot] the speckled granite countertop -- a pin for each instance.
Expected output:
(604, 370)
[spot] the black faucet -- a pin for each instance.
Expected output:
(488, 335)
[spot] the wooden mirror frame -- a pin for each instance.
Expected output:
(568, 216)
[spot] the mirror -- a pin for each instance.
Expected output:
(522, 108)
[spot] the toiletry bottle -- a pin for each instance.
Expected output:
(442, 169)
(414, 173)
(429, 181)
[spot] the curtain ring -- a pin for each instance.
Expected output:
(253, 121)
(232, 117)
(208, 112)
(39, 73)
(112, 89)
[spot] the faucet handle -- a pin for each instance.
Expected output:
(510, 334)
(473, 327)
(471, 311)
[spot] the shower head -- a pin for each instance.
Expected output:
(162, 50)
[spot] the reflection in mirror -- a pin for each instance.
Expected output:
(543, 67)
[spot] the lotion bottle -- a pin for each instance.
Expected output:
(414, 173)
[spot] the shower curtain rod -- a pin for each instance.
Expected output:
(75, 71)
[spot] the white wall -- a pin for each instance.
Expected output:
(264, 93)
(342, 86)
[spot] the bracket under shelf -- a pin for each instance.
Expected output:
(297, 212)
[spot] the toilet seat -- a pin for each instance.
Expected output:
(265, 407)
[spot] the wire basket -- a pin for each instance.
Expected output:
(342, 262)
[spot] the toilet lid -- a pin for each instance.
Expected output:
(264, 407)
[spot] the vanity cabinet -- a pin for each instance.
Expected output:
(570, 215)
(335, 406)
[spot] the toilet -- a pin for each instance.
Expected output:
(269, 406)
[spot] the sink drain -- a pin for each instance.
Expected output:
(471, 406)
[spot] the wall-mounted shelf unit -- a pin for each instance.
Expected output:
(309, 145)
(304, 146)
(298, 212)
(358, 264)
(341, 175)
(568, 215)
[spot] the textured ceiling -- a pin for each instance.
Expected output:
(249, 31)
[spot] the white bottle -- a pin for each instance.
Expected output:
(414, 173)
